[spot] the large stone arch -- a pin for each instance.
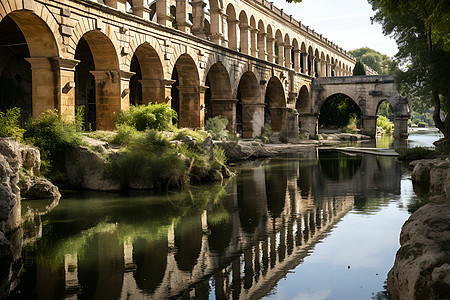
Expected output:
(243, 32)
(275, 104)
(187, 94)
(30, 70)
(98, 80)
(147, 84)
(249, 109)
(218, 97)
(232, 27)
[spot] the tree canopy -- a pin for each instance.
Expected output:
(421, 30)
(359, 68)
(381, 63)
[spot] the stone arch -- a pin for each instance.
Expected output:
(275, 104)
(323, 65)
(216, 15)
(232, 30)
(303, 102)
(295, 55)
(243, 33)
(316, 63)
(248, 106)
(270, 45)
(352, 98)
(147, 84)
(30, 70)
(303, 59)
(253, 37)
(98, 80)
(279, 49)
(262, 37)
(218, 96)
(328, 66)
(187, 94)
(310, 64)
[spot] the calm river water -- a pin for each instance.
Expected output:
(317, 225)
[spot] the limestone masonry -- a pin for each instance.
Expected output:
(245, 60)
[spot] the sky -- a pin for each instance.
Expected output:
(344, 22)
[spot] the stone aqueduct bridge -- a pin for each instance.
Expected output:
(245, 60)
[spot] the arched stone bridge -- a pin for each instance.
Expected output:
(245, 60)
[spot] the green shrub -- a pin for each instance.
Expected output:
(80, 111)
(149, 156)
(384, 123)
(125, 135)
(198, 134)
(415, 153)
(53, 136)
(217, 127)
(9, 124)
(266, 132)
(152, 116)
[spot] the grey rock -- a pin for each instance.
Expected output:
(31, 159)
(38, 188)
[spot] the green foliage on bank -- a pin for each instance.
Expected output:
(152, 116)
(266, 132)
(53, 136)
(385, 123)
(9, 124)
(217, 127)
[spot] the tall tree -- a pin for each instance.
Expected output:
(359, 68)
(381, 63)
(421, 30)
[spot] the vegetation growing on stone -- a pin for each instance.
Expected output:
(53, 136)
(266, 132)
(217, 127)
(9, 123)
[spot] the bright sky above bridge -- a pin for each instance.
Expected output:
(345, 22)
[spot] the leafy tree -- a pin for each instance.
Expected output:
(359, 69)
(420, 28)
(381, 63)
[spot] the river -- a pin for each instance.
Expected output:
(316, 225)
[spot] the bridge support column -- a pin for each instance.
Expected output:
(232, 34)
(183, 23)
(309, 122)
(192, 105)
(278, 118)
(244, 37)
(287, 56)
(296, 61)
(281, 53)
(125, 89)
(291, 130)
(252, 119)
(45, 93)
(262, 36)
(369, 126)
(66, 70)
(227, 109)
(304, 58)
(141, 9)
(270, 49)
(107, 97)
(253, 41)
(152, 91)
(163, 13)
(167, 90)
(401, 127)
(217, 26)
(198, 14)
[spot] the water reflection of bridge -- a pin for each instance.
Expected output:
(271, 219)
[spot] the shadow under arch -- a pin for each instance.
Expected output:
(147, 84)
(275, 105)
(338, 110)
(218, 95)
(186, 93)
(97, 79)
(29, 64)
(248, 106)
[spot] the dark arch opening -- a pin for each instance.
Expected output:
(275, 106)
(15, 71)
(339, 111)
(247, 95)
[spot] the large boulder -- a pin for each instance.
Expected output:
(422, 264)
(9, 190)
(85, 170)
(32, 187)
(31, 159)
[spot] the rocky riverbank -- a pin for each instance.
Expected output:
(422, 264)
